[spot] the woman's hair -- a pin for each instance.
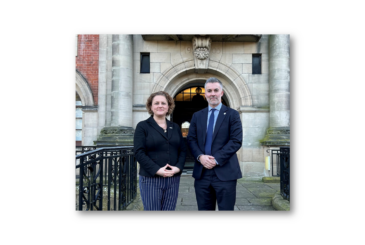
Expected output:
(170, 101)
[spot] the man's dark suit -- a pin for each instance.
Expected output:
(226, 141)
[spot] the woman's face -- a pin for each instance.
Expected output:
(160, 107)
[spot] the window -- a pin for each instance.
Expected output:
(78, 121)
(256, 63)
(145, 63)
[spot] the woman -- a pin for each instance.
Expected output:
(160, 150)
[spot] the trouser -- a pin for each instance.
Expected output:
(159, 193)
(210, 190)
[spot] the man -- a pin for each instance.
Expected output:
(215, 135)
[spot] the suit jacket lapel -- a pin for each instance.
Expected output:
(153, 123)
(203, 123)
(220, 119)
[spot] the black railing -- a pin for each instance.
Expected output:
(285, 172)
(275, 163)
(106, 178)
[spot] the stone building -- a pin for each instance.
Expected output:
(115, 74)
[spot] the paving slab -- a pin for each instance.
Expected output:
(256, 208)
(186, 208)
(260, 201)
(188, 201)
(262, 192)
(242, 202)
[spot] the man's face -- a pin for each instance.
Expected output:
(213, 93)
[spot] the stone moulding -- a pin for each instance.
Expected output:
(279, 136)
(175, 76)
(116, 136)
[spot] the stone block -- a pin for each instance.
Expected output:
(250, 47)
(265, 67)
(242, 58)
(213, 64)
(247, 119)
(263, 100)
(260, 88)
(168, 47)
(216, 49)
(226, 59)
(258, 155)
(258, 78)
(247, 68)
(237, 68)
(149, 46)
(155, 67)
(255, 169)
(233, 47)
(160, 57)
(176, 58)
(164, 67)
(246, 155)
(143, 88)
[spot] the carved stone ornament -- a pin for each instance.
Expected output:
(201, 47)
(201, 53)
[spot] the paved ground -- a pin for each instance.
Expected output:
(251, 196)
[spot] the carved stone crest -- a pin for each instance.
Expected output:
(201, 47)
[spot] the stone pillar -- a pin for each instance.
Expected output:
(278, 133)
(118, 129)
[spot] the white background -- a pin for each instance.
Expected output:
(37, 62)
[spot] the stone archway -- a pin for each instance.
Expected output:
(83, 90)
(184, 74)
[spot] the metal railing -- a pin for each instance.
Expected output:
(285, 172)
(106, 178)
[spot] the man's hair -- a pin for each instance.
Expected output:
(169, 99)
(213, 80)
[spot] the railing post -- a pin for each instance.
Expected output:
(285, 172)
(81, 182)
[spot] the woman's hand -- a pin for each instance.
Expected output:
(164, 172)
(174, 169)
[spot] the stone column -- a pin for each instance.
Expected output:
(278, 133)
(118, 130)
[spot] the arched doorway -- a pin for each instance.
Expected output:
(188, 101)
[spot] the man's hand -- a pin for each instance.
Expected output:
(207, 161)
(164, 172)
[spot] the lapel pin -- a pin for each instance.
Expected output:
(224, 113)
(170, 127)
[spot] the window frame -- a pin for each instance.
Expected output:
(260, 68)
(149, 63)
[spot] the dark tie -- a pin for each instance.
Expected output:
(208, 141)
